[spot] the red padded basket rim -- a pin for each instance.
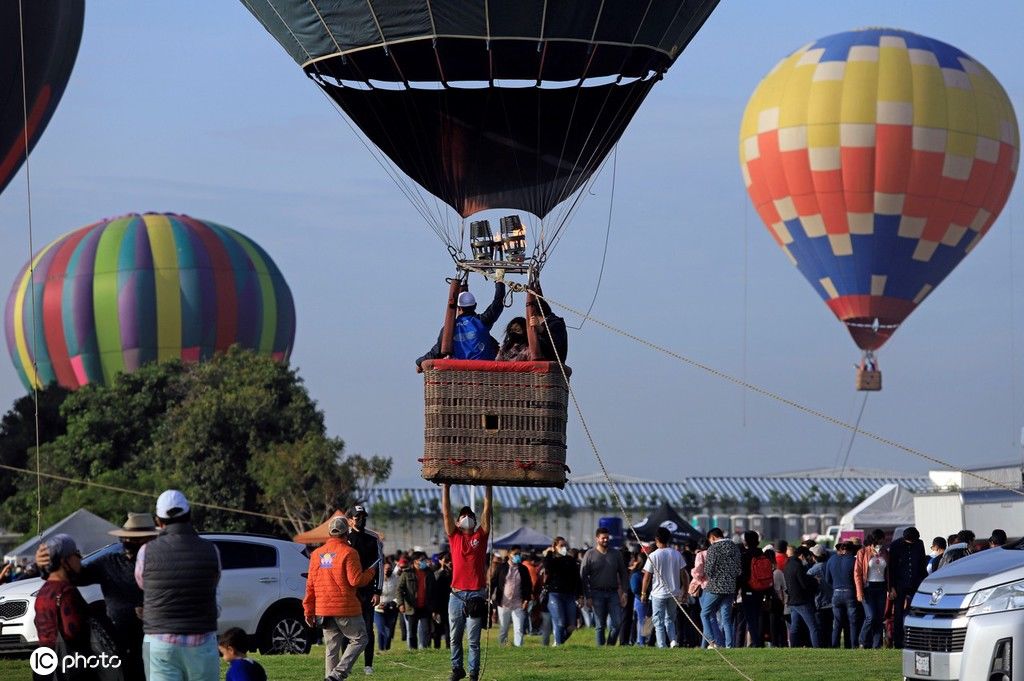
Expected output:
(492, 366)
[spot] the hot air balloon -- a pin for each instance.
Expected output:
(50, 31)
(502, 104)
(122, 292)
(878, 159)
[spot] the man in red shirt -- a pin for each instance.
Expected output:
(467, 605)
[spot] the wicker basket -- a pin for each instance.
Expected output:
(870, 380)
(494, 423)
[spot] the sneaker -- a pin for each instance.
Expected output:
(368, 669)
(673, 644)
(457, 673)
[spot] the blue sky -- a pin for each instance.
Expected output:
(192, 107)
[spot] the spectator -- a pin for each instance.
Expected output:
(997, 539)
(801, 589)
(415, 595)
(564, 587)
(605, 584)
(782, 553)
(662, 585)
(778, 630)
(938, 548)
(179, 614)
(512, 589)
(371, 553)
(385, 613)
(515, 347)
(467, 606)
(334, 575)
(636, 580)
(839, 577)
(756, 582)
(722, 567)
(822, 599)
(234, 646)
(712, 631)
(60, 608)
(870, 576)
(472, 334)
(442, 595)
(962, 546)
(907, 569)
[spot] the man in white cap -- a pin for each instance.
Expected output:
(179, 572)
(472, 339)
(334, 575)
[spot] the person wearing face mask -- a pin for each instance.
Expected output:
(870, 576)
(415, 592)
(439, 605)
(60, 608)
(935, 557)
(514, 347)
(467, 606)
(511, 589)
(801, 589)
(385, 613)
(371, 552)
(564, 587)
(114, 571)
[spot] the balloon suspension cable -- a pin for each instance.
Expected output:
(764, 392)
(607, 234)
(34, 378)
(853, 435)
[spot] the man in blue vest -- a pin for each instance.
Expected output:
(472, 339)
(178, 573)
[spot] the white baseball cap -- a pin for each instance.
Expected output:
(171, 504)
(466, 299)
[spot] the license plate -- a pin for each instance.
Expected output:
(923, 664)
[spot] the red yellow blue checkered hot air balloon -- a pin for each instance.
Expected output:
(878, 159)
(117, 294)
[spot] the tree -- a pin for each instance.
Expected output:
(18, 433)
(751, 501)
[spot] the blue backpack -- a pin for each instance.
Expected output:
(472, 339)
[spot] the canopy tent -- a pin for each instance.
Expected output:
(890, 507)
(665, 516)
(318, 535)
(526, 537)
(89, 531)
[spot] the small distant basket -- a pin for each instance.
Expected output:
(869, 379)
(494, 423)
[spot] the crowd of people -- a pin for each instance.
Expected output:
(161, 602)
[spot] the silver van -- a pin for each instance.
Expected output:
(966, 621)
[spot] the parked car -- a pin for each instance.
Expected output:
(262, 584)
(966, 621)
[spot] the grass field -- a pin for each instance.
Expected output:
(580, 660)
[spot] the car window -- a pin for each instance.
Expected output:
(238, 555)
(105, 551)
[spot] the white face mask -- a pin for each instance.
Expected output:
(563, 551)
(466, 522)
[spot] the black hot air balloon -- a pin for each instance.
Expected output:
(50, 31)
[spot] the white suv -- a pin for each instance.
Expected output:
(261, 589)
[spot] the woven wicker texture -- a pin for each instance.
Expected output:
(494, 427)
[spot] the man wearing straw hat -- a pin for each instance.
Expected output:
(114, 571)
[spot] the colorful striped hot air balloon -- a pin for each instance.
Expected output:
(878, 159)
(140, 288)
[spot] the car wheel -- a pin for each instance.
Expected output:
(284, 631)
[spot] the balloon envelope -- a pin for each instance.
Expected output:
(50, 31)
(499, 104)
(878, 159)
(140, 288)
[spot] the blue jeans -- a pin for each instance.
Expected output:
(562, 608)
(385, 625)
(844, 607)
(806, 613)
(663, 610)
(716, 616)
(606, 604)
(874, 615)
(417, 623)
(168, 662)
(458, 622)
(640, 608)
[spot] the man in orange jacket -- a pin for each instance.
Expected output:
(334, 575)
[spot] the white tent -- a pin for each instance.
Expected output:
(88, 530)
(890, 507)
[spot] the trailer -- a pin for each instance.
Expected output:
(940, 514)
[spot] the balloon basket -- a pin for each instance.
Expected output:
(869, 380)
(494, 423)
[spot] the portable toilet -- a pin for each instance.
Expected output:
(724, 523)
(702, 522)
(773, 528)
(739, 524)
(828, 520)
(812, 523)
(756, 522)
(793, 527)
(614, 526)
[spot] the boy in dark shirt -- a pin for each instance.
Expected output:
(233, 646)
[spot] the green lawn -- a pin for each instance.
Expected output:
(580, 660)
